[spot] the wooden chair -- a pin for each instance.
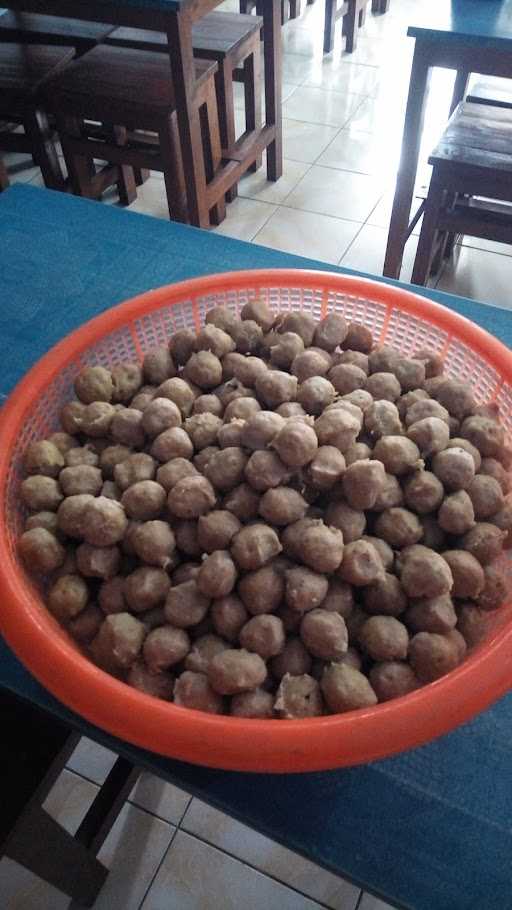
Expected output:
(4, 179)
(233, 42)
(290, 9)
(131, 95)
(35, 749)
(495, 91)
(23, 73)
(34, 28)
(352, 12)
(471, 185)
(380, 6)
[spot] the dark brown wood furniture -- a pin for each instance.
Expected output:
(176, 18)
(4, 179)
(454, 34)
(472, 159)
(380, 6)
(30, 28)
(290, 9)
(35, 749)
(23, 71)
(130, 93)
(233, 41)
(352, 12)
(492, 91)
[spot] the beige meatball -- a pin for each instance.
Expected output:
(97, 419)
(231, 434)
(258, 704)
(154, 543)
(192, 690)
(455, 395)
(111, 595)
(173, 471)
(390, 495)
(104, 522)
(204, 369)
(433, 536)
(484, 541)
(242, 408)
(494, 591)
(320, 547)
(243, 501)
(143, 397)
(472, 624)
(282, 506)
(432, 362)
(212, 338)
(296, 443)
(110, 457)
(262, 590)
(97, 562)
(431, 435)
(160, 415)
(86, 624)
(233, 671)
(229, 616)
(383, 386)
(43, 458)
(248, 369)
(485, 434)
(310, 363)
(185, 605)
(226, 468)
(330, 332)
(425, 407)
(134, 469)
(81, 479)
(392, 679)
(423, 492)
(165, 647)
(71, 417)
(298, 697)
(425, 573)
(432, 656)
(255, 545)
(324, 633)
(346, 689)
(127, 428)
(315, 394)
(119, 641)
(358, 338)
(294, 659)
(491, 467)
(304, 589)
(432, 614)
(458, 443)
(265, 470)
(216, 530)
(410, 373)
(339, 598)
(326, 468)
(247, 336)
(233, 389)
(181, 392)
(347, 377)
(222, 317)
(126, 381)
(264, 635)
(338, 428)
(44, 519)
(456, 515)
(383, 549)
(356, 357)
(275, 387)
(291, 537)
(385, 596)
(384, 638)
(361, 399)
(468, 575)
(144, 500)
(41, 493)
(71, 514)
(217, 575)
(158, 365)
(486, 496)
(191, 497)
(203, 430)
(302, 324)
(382, 419)
(361, 564)
(40, 550)
(208, 404)
(398, 527)
(145, 588)
(351, 522)
(93, 384)
(286, 348)
(204, 649)
(160, 685)
(260, 430)
(398, 454)
(63, 441)
(362, 482)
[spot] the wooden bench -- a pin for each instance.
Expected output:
(34, 28)
(471, 185)
(352, 12)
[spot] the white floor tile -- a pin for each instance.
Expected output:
(92, 760)
(338, 193)
(379, 116)
(218, 829)
(306, 141)
(364, 153)
(303, 41)
(195, 875)
(296, 69)
(317, 106)
(69, 799)
(133, 852)
(160, 798)
(480, 275)
(256, 186)
(244, 218)
(369, 902)
(20, 168)
(336, 73)
(151, 199)
(478, 243)
(368, 249)
(307, 234)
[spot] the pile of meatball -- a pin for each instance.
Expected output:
(272, 518)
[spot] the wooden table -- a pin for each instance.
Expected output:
(469, 36)
(427, 830)
(176, 17)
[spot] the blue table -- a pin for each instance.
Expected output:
(430, 829)
(469, 36)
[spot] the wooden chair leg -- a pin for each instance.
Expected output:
(329, 25)
(426, 242)
(80, 167)
(226, 109)
(174, 176)
(295, 9)
(362, 16)
(212, 150)
(55, 856)
(350, 25)
(126, 185)
(4, 179)
(246, 6)
(141, 175)
(37, 128)
(252, 92)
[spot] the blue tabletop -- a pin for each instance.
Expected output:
(486, 23)
(430, 829)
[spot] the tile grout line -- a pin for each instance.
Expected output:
(269, 875)
(159, 866)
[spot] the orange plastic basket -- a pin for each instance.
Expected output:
(126, 332)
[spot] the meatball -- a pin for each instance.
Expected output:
(44, 458)
(93, 384)
(315, 394)
(384, 638)
(338, 428)
(456, 515)
(432, 614)
(261, 428)
(484, 541)
(361, 564)
(119, 641)
(256, 703)
(191, 497)
(432, 655)
(243, 501)
(233, 671)
(263, 635)
(293, 659)
(468, 575)
(320, 547)
(298, 696)
(385, 596)
(347, 377)
(362, 482)
(326, 468)
(382, 419)
(204, 369)
(255, 545)
(282, 506)
(144, 500)
(275, 387)
(217, 575)
(431, 435)
(134, 469)
(296, 444)
(40, 550)
(398, 454)
(305, 589)
(346, 689)
(324, 634)
(185, 605)
(425, 573)
(265, 470)
(392, 679)
(486, 496)
(216, 529)
(126, 427)
(165, 647)
(494, 591)
(485, 434)
(192, 690)
(398, 527)
(145, 588)
(423, 492)
(228, 617)
(351, 522)
(358, 338)
(40, 493)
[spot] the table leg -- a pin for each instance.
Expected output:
(179, 36)
(273, 78)
(413, 126)
(459, 88)
(4, 179)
